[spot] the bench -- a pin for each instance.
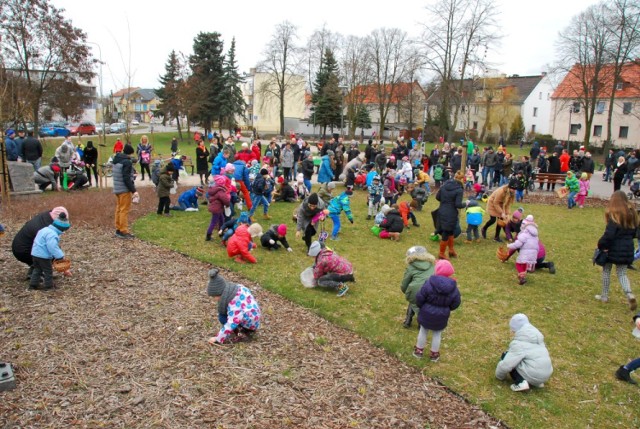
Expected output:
(188, 162)
(550, 178)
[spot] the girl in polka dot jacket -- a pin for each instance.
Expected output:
(238, 311)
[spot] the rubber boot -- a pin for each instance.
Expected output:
(208, 237)
(452, 252)
(443, 248)
(409, 317)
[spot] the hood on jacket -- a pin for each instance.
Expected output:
(120, 157)
(531, 229)
(529, 334)
(451, 185)
(443, 285)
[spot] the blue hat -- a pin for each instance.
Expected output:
(62, 222)
(10, 131)
(244, 217)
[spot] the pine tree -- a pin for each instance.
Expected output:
(169, 92)
(327, 100)
(231, 99)
(362, 119)
(207, 81)
(516, 132)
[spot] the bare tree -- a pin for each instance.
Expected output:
(584, 45)
(356, 74)
(282, 60)
(43, 47)
(386, 49)
(457, 35)
(410, 103)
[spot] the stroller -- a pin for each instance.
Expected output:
(635, 190)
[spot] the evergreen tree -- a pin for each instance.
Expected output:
(207, 80)
(327, 100)
(516, 132)
(169, 92)
(231, 99)
(362, 120)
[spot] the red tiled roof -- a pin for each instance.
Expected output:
(571, 85)
(368, 94)
(125, 91)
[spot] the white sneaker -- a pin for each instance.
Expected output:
(520, 387)
(602, 298)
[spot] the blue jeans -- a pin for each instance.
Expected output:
(307, 183)
(607, 174)
(336, 224)
(472, 229)
(256, 200)
(519, 195)
(571, 200)
(487, 176)
(633, 365)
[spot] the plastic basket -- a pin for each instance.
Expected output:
(306, 277)
(62, 265)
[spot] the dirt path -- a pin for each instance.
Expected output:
(122, 344)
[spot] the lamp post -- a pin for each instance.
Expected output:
(102, 136)
(343, 92)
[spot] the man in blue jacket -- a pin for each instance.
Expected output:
(125, 190)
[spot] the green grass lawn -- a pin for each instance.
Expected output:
(587, 340)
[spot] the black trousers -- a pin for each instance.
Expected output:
(42, 267)
(515, 375)
(309, 232)
(144, 167)
(164, 204)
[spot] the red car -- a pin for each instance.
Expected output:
(84, 128)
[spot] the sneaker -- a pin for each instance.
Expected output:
(342, 290)
(434, 356)
(124, 235)
(498, 240)
(468, 241)
(168, 215)
(368, 217)
(522, 280)
(552, 268)
(633, 304)
(334, 238)
(417, 225)
(417, 352)
(520, 387)
(478, 240)
(266, 216)
(623, 374)
(602, 299)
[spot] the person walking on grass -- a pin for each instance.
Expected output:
(617, 242)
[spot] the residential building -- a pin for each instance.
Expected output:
(135, 103)
(568, 120)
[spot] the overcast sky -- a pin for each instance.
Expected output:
(147, 31)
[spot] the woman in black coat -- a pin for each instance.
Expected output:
(617, 243)
(202, 162)
(553, 167)
(450, 197)
(619, 173)
(90, 159)
(23, 241)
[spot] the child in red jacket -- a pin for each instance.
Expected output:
(241, 243)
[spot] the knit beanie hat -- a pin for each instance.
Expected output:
(264, 172)
(385, 209)
(199, 190)
(255, 230)
(61, 222)
(313, 199)
(331, 185)
(528, 220)
(229, 168)
(170, 167)
(444, 268)
(314, 249)
(56, 211)
(216, 283)
(518, 321)
(331, 153)
(282, 229)
(243, 218)
(128, 149)
(517, 214)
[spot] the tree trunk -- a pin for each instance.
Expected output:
(282, 113)
(179, 128)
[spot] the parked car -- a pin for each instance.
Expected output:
(117, 128)
(54, 129)
(84, 128)
(99, 128)
(135, 122)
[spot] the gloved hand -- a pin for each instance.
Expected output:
(289, 249)
(271, 242)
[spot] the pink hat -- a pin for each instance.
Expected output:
(528, 220)
(444, 268)
(229, 168)
(517, 214)
(55, 212)
(282, 229)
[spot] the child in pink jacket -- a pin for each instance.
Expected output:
(584, 189)
(330, 270)
(527, 242)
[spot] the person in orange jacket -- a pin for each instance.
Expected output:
(564, 161)
(241, 243)
(406, 211)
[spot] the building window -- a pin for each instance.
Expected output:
(144, 107)
(624, 132)
(475, 125)
(574, 129)
(462, 108)
(476, 109)
(619, 86)
(533, 129)
(600, 107)
(575, 107)
(535, 111)
(626, 108)
(597, 130)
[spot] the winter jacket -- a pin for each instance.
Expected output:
(46, 245)
(243, 311)
(45, 175)
(587, 165)
(325, 174)
(340, 203)
(436, 299)
(218, 197)
(618, 243)
(572, 183)
(490, 159)
(474, 162)
(307, 168)
(240, 243)
(393, 221)
(287, 194)
(241, 173)
(12, 149)
(66, 154)
(564, 162)
(32, 149)
(404, 208)
(122, 174)
(527, 242)
(286, 158)
(528, 355)
(260, 186)
(23, 241)
(91, 156)
(415, 276)
(305, 214)
(329, 262)
(218, 164)
(165, 183)
(272, 234)
(450, 197)
(474, 215)
(496, 204)
(584, 187)
(189, 198)
(535, 151)
(554, 167)
(202, 159)
(381, 161)
(245, 156)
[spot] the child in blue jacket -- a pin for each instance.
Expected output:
(189, 199)
(336, 206)
(474, 219)
(46, 247)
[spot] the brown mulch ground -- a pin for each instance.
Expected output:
(122, 344)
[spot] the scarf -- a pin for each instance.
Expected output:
(230, 291)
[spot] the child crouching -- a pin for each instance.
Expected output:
(527, 243)
(238, 311)
(275, 234)
(330, 270)
(46, 246)
(241, 243)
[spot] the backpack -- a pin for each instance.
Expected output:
(145, 157)
(155, 175)
(437, 172)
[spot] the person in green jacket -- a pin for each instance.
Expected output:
(573, 185)
(420, 266)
